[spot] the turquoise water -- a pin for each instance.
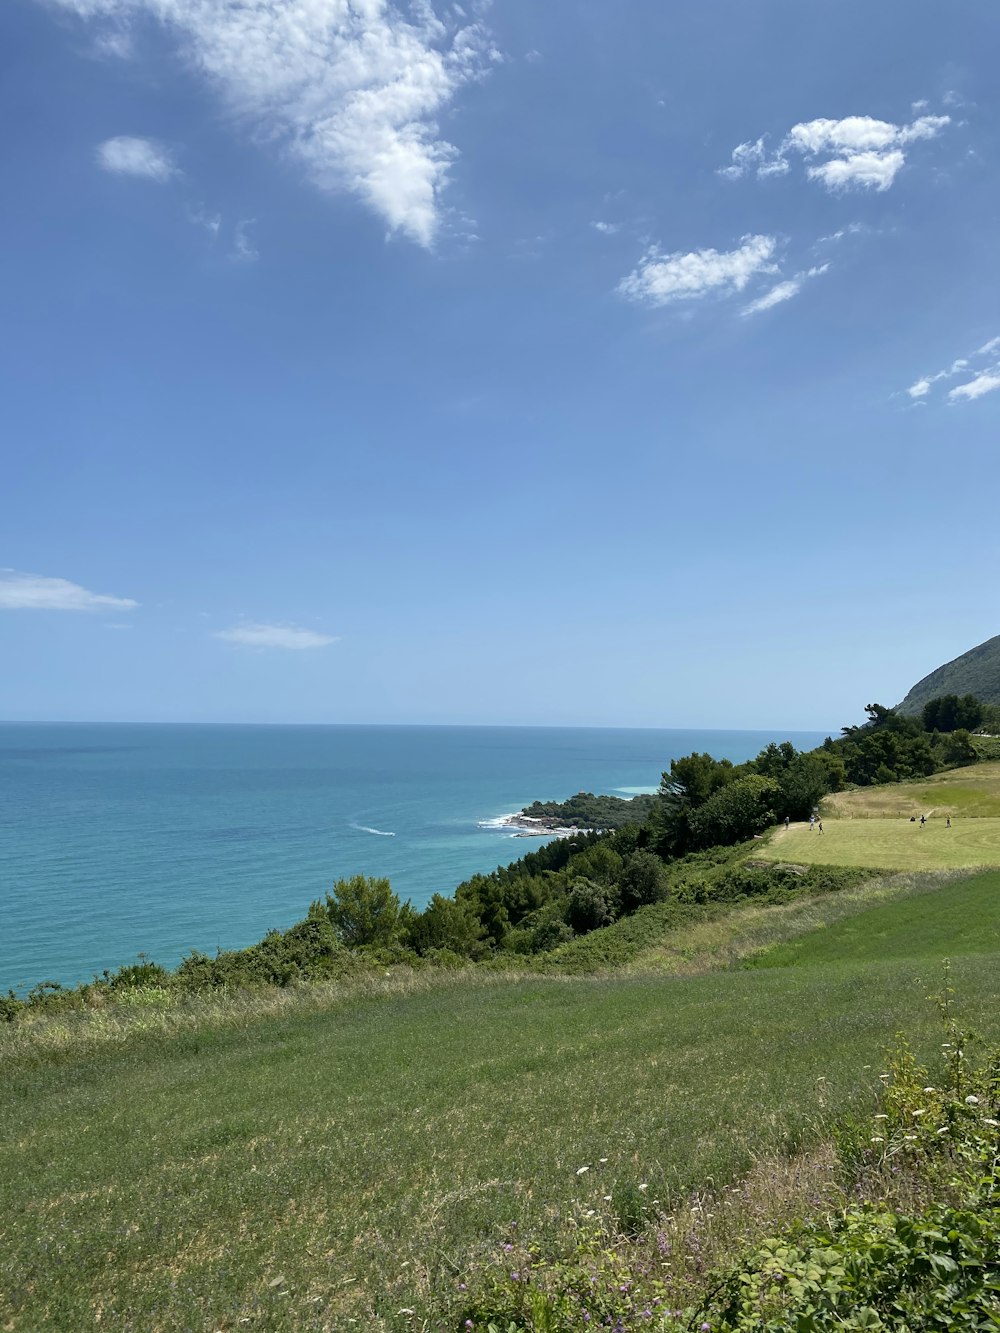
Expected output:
(125, 838)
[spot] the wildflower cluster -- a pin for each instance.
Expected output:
(929, 1262)
(605, 1285)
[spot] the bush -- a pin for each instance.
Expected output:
(643, 881)
(364, 912)
(590, 906)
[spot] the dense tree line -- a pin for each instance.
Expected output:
(585, 810)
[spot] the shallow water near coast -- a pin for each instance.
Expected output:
(116, 839)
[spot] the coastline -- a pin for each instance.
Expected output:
(527, 826)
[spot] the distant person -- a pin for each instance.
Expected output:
(923, 820)
(819, 825)
(913, 819)
(812, 821)
(947, 822)
(786, 823)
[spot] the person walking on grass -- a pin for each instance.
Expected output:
(812, 821)
(786, 823)
(819, 825)
(923, 820)
(947, 822)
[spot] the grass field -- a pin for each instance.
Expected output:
(889, 844)
(966, 792)
(349, 1167)
(958, 922)
(871, 826)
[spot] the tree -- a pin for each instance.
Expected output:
(803, 785)
(691, 782)
(736, 812)
(364, 912)
(590, 905)
(957, 749)
(642, 881)
(447, 924)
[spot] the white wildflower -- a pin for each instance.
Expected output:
(971, 1100)
(581, 1169)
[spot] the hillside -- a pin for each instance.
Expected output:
(372, 1160)
(975, 672)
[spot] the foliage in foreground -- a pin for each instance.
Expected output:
(918, 1248)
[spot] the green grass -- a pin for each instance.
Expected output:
(313, 1167)
(959, 921)
(340, 1156)
(890, 844)
(968, 792)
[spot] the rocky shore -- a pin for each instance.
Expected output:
(526, 826)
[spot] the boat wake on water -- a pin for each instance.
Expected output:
(378, 832)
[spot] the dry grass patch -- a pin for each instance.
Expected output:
(967, 792)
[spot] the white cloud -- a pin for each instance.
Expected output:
(349, 88)
(861, 152)
(212, 222)
(117, 45)
(125, 156)
(661, 279)
(606, 228)
(274, 636)
(244, 251)
(782, 291)
(985, 382)
(874, 171)
(33, 592)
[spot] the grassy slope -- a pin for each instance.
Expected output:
(960, 792)
(959, 922)
(317, 1167)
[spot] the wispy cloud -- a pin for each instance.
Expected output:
(34, 592)
(783, 291)
(986, 377)
(349, 88)
(126, 156)
(244, 251)
(606, 228)
(212, 222)
(253, 635)
(860, 152)
(661, 279)
(985, 382)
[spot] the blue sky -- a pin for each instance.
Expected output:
(567, 363)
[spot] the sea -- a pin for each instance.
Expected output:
(123, 839)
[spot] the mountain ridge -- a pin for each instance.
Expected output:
(974, 672)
